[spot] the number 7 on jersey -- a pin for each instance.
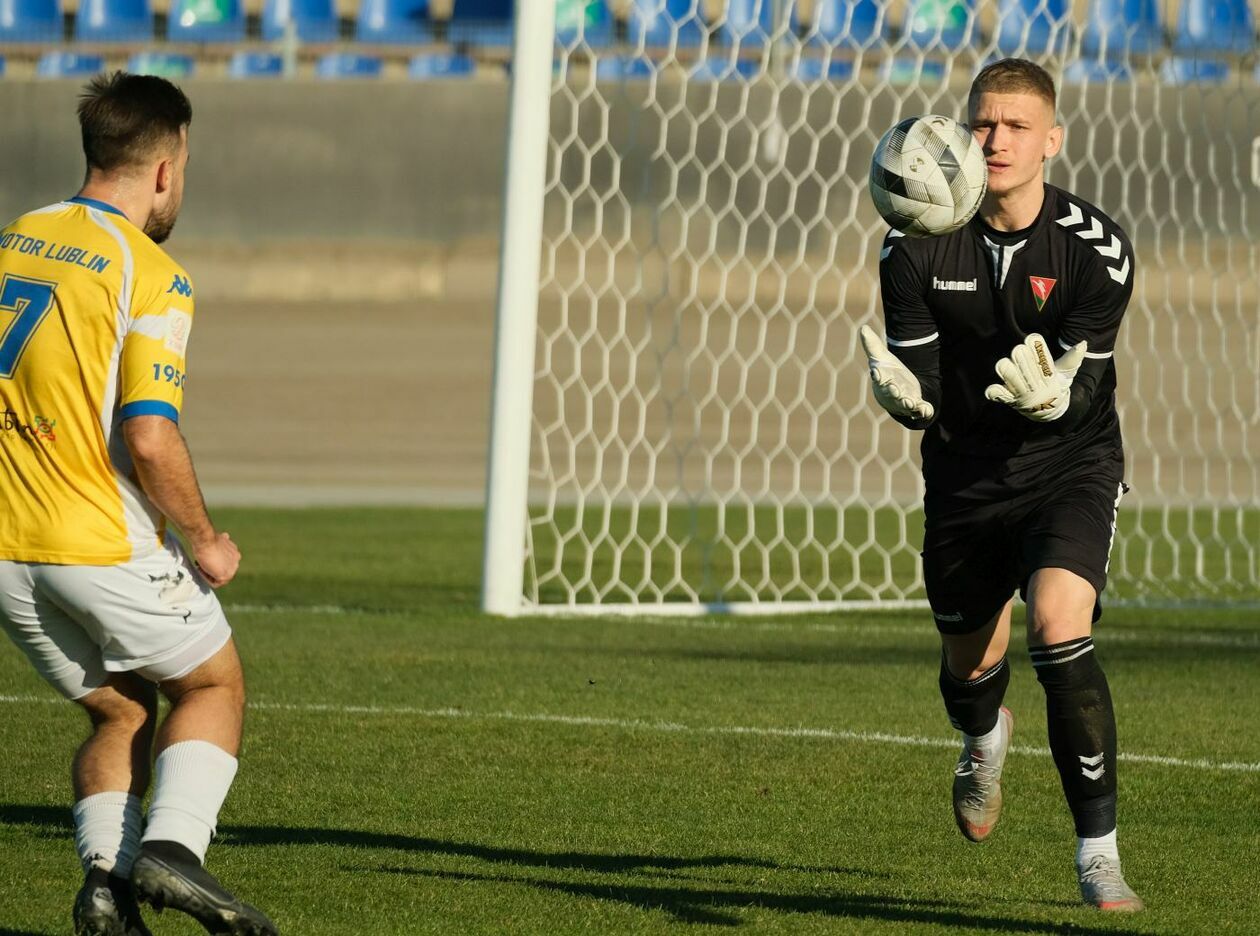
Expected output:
(29, 300)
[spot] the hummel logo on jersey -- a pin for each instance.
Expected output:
(1041, 287)
(955, 285)
(181, 286)
(1111, 250)
(1095, 762)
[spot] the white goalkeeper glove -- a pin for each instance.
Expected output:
(1034, 384)
(896, 388)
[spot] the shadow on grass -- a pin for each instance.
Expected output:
(581, 861)
(725, 907)
(56, 821)
(688, 904)
(4, 931)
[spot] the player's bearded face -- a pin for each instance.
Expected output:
(166, 208)
(1017, 133)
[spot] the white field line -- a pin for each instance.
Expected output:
(588, 721)
(1105, 634)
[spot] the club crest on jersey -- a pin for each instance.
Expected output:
(1041, 288)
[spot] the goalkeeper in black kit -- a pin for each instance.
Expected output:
(999, 349)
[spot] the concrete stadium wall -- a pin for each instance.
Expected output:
(407, 162)
(333, 162)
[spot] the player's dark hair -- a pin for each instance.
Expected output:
(128, 120)
(1015, 76)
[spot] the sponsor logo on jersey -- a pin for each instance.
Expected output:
(181, 286)
(970, 285)
(40, 428)
(1042, 286)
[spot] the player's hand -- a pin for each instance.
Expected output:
(1034, 384)
(896, 388)
(217, 560)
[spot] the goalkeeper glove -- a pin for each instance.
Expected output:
(896, 388)
(1033, 384)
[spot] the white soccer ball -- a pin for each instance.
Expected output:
(928, 176)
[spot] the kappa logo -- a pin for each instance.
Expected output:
(1042, 286)
(1092, 768)
(181, 286)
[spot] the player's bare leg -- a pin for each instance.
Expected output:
(110, 774)
(974, 676)
(1082, 728)
(196, 764)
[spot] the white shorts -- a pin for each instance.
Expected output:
(154, 616)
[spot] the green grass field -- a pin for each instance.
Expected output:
(413, 767)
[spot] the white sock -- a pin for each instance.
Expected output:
(191, 781)
(1089, 848)
(107, 831)
(991, 740)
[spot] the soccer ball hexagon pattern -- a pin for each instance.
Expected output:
(928, 176)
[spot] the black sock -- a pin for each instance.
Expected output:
(972, 704)
(1082, 728)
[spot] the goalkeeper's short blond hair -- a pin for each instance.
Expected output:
(1015, 76)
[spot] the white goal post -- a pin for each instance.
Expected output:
(681, 421)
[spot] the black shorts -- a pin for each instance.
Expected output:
(977, 549)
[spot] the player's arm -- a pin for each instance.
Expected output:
(905, 371)
(1058, 385)
(165, 471)
(152, 375)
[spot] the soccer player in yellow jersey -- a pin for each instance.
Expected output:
(94, 326)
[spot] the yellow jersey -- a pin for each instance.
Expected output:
(94, 325)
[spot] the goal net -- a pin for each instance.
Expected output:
(682, 417)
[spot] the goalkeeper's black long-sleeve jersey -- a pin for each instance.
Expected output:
(954, 305)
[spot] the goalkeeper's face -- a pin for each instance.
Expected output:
(1017, 133)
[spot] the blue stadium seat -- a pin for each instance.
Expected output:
(588, 22)
(907, 71)
(941, 25)
(348, 65)
(30, 21)
(1098, 71)
(1179, 70)
(821, 69)
(255, 65)
(440, 66)
(747, 23)
(315, 20)
(848, 23)
(69, 65)
(720, 68)
(166, 64)
(394, 21)
(206, 21)
(482, 22)
(1115, 28)
(655, 22)
(1033, 26)
(114, 21)
(1215, 26)
(621, 68)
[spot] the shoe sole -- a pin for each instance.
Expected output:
(976, 833)
(1121, 906)
(160, 886)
